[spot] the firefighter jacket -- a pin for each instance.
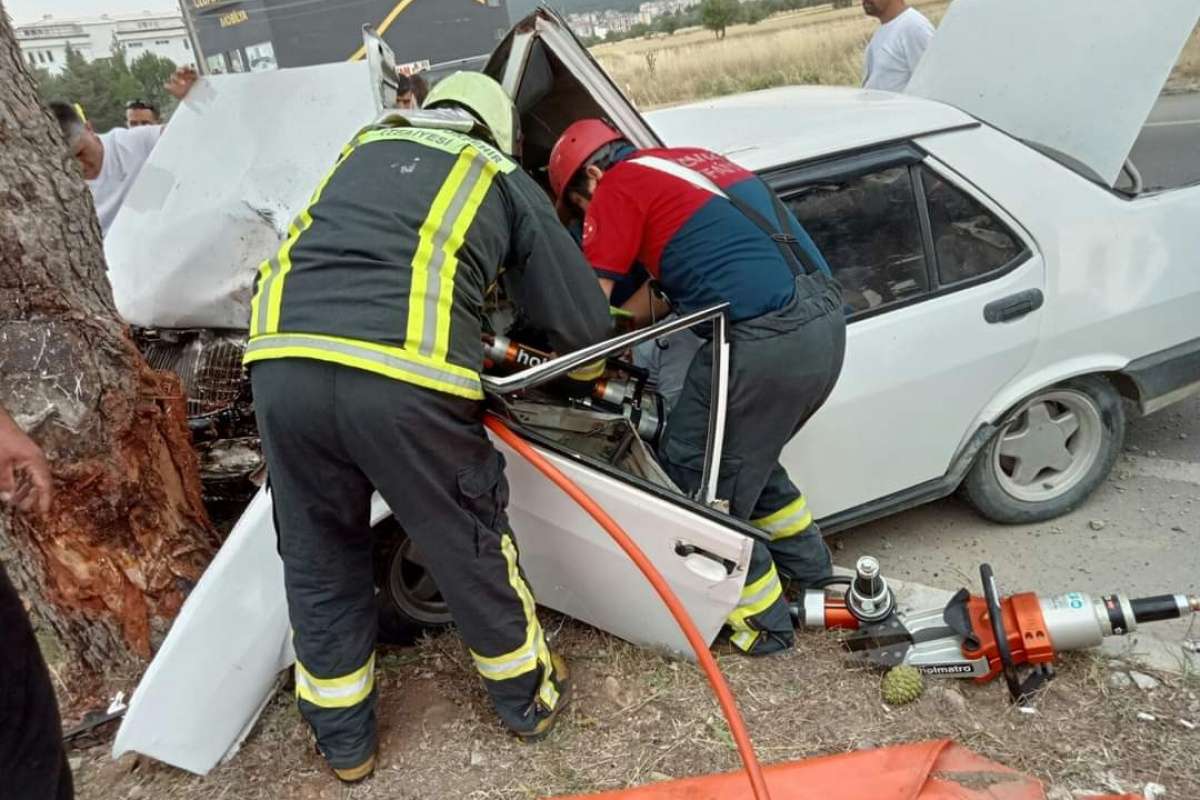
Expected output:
(387, 267)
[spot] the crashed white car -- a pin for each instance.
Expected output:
(1012, 293)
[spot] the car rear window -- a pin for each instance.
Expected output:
(968, 240)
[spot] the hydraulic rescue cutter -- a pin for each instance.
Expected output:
(627, 395)
(974, 636)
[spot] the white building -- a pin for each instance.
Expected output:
(648, 12)
(45, 43)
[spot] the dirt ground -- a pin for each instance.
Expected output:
(637, 717)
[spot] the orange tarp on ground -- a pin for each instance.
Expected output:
(939, 770)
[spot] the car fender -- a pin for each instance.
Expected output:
(1049, 375)
(220, 662)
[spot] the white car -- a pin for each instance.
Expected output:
(1008, 306)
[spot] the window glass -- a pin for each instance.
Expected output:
(968, 239)
(869, 231)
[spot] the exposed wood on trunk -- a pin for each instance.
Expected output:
(128, 535)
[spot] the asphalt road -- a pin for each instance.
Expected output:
(1168, 151)
(1149, 541)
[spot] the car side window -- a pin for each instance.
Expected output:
(869, 230)
(968, 240)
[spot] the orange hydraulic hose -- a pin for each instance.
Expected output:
(720, 688)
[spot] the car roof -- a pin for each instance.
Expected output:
(769, 128)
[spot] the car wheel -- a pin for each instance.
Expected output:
(1054, 451)
(408, 600)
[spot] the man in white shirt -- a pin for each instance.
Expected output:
(112, 160)
(897, 47)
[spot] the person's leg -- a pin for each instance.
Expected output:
(32, 758)
(761, 623)
(796, 546)
(428, 455)
(322, 503)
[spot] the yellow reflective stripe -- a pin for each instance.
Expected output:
(271, 286)
(744, 640)
(341, 692)
(790, 520)
(588, 372)
(548, 693)
(533, 651)
(756, 598)
(264, 274)
(393, 362)
(427, 247)
(451, 142)
(480, 183)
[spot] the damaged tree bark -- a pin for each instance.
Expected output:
(128, 536)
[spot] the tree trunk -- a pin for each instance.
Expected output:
(128, 536)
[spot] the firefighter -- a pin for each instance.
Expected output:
(708, 231)
(364, 359)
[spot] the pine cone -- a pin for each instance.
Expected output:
(902, 685)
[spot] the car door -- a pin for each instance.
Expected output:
(942, 293)
(571, 563)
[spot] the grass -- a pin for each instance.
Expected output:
(638, 717)
(819, 46)
(813, 46)
(1186, 75)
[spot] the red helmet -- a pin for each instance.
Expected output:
(573, 149)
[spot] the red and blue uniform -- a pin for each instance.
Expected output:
(700, 247)
(788, 340)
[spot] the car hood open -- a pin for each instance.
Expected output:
(1077, 78)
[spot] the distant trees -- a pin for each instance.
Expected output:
(668, 23)
(717, 15)
(103, 87)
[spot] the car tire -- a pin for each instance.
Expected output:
(1055, 449)
(407, 600)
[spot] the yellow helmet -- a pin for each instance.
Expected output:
(486, 101)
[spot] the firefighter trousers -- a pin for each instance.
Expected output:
(33, 763)
(783, 367)
(333, 434)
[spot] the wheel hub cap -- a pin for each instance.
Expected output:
(1049, 446)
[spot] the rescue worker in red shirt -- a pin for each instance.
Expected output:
(364, 356)
(708, 231)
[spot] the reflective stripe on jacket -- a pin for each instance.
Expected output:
(387, 267)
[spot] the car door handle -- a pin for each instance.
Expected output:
(1014, 306)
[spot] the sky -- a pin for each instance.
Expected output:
(32, 10)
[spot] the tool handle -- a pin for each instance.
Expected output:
(1160, 607)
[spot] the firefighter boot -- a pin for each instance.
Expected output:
(356, 774)
(562, 679)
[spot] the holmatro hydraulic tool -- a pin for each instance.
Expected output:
(623, 394)
(973, 636)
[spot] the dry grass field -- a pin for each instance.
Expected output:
(814, 46)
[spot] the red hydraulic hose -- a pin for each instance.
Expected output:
(720, 688)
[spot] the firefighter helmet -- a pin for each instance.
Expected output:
(486, 101)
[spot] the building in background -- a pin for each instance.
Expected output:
(249, 35)
(648, 12)
(44, 44)
(599, 24)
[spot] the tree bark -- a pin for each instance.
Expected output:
(128, 536)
